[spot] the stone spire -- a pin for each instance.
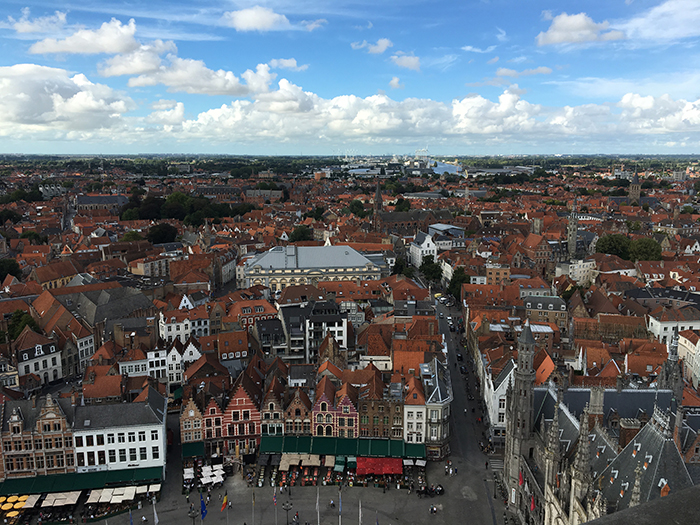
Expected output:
(637, 488)
(552, 453)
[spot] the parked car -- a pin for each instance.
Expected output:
(460, 357)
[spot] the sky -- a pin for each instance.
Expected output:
(336, 77)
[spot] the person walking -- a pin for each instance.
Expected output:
(487, 465)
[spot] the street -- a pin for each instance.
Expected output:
(469, 495)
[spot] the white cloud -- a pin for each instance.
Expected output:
(395, 83)
(42, 24)
(192, 76)
(668, 21)
(256, 18)
(142, 60)
(41, 102)
(493, 60)
(407, 61)
(443, 63)
(577, 29)
(311, 25)
(112, 37)
(167, 112)
(505, 72)
(501, 36)
(287, 63)
(473, 49)
(376, 49)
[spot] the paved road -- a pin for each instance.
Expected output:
(468, 495)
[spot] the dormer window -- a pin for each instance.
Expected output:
(324, 407)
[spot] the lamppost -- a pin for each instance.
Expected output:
(192, 514)
(286, 506)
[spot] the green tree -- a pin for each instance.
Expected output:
(32, 236)
(430, 269)
(162, 233)
(9, 266)
(301, 233)
(132, 214)
(357, 208)
(402, 204)
(645, 249)
(18, 321)
(9, 215)
(614, 244)
(459, 277)
(132, 235)
(401, 268)
(687, 209)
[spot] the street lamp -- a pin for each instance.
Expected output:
(192, 514)
(286, 506)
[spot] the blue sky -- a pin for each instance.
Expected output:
(330, 76)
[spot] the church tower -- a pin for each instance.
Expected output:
(572, 231)
(634, 193)
(519, 415)
(466, 199)
(377, 206)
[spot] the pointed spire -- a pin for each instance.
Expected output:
(673, 349)
(636, 497)
(525, 337)
(553, 432)
(583, 452)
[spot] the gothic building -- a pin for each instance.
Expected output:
(573, 455)
(634, 193)
(377, 207)
(572, 232)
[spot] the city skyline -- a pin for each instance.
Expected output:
(289, 78)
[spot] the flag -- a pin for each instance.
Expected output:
(202, 505)
(274, 497)
(532, 503)
(223, 507)
(520, 477)
(360, 522)
(131, 518)
(376, 513)
(155, 514)
(317, 491)
(340, 502)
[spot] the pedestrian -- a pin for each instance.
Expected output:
(455, 471)
(229, 504)
(451, 471)
(487, 465)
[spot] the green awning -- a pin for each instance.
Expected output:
(148, 474)
(324, 446)
(415, 450)
(177, 394)
(352, 462)
(304, 445)
(193, 450)
(396, 448)
(363, 447)
(291, 444)
(346, 447)
(271, 444)
(379, 448)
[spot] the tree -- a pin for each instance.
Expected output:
(357, 208)
(162, 233)
(687, 209)
(18, 321)
(9, 215)
(401, 268)
(132, 235)
(402, 204)
(9, 266)
(459, 277)
(645, 249)
(430, 269)
(301, 233)
(32, 236)
(132, 214)
(614, 244)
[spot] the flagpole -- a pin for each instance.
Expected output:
(318, 510)
(253, 506)
(359, 520)
(340, 506)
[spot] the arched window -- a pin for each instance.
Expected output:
(329, 431)
(324, 407)
(319, 430)
(319, 418)
(329, 418)
(297, 412)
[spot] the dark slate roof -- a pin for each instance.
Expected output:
(30, 414)
(152, 412)
(525, 337)
(115, 200)
(653, 448)
(98, 305)
(505, 372)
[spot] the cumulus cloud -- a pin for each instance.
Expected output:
(473, 49)
(287, 63)
(376, 49)
(256, 18)
(493, 60)
(42, 24)
(395, 83)
(505, 72)
(407, 61)
(167, 112)
(142, 60)
(193, 76)
(111, 38)
(577, 29)
(44, 102)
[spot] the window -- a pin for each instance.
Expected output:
(89, 441)
(154, 435)
(346, 410)
(81, 459)
(120, 437)
(155, 452)
(142, 454)
(246, 415)
(132, 437)
(132, 454)
(112, 456)
(91, 458)
(58, 442)
(122, 455)
(101, 457)
(142, 435)
(78, 441)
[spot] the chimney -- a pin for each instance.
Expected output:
(72, 398)
(629, 428)
(620, 383)
(34, 401)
